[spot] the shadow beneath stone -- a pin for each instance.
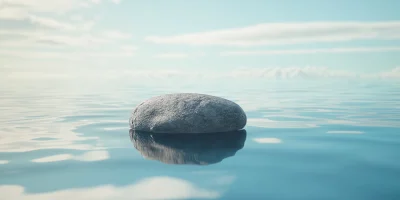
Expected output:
(192, 149)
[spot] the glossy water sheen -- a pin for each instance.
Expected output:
(336, 141)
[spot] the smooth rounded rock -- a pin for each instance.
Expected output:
(189, 149)
(187, 113)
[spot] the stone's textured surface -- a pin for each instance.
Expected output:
(194, 149)
(188, 113)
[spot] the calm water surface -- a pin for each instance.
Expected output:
(336, 141)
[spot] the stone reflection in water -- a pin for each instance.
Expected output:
(194, 149)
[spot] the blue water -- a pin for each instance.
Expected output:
(306, 141)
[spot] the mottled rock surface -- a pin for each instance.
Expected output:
(191, 149)
(187, 113)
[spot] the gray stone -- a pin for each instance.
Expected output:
(190, 149)
(187, 113)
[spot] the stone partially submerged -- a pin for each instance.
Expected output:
(187, 113)
(190, 149)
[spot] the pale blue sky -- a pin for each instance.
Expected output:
(98, 34)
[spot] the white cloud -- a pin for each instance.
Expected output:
(394, 73)
(49, 6)
(70, 40)
(35, 38)
(33, 22)
(116, 1)
(51, 23)
(76, 17)
(179, 55)
(90, 156)
(77, 55)
(267, 74)
(117, 35)
(287, 33)
(96, 1)
(312, 51)
(345, 132)
(290, 73)
(77, 36)
(38, 27)
(34, 12)
(310, 73)
(172, 55)
(154, 188)
(12, 13)
(129, 48)
(268, 140)
(3, 162)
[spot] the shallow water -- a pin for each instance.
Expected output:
(303, 141)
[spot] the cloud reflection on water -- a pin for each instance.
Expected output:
(268, 140)
(345, 132)
(90, 156)
(3, 162)
(152, 188)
